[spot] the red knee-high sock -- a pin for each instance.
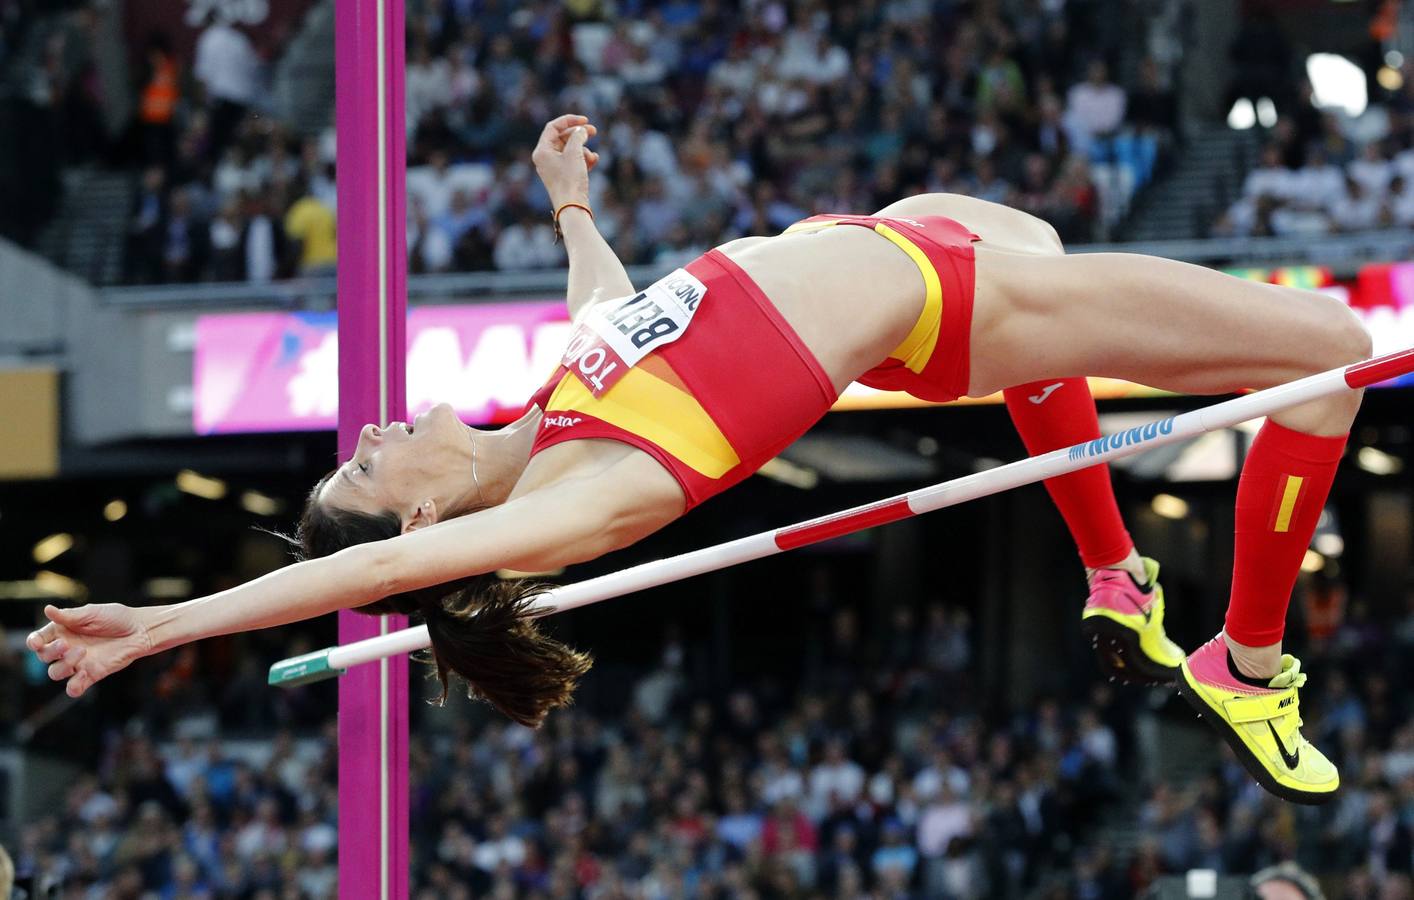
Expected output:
(1055, 414)
(1280, 496)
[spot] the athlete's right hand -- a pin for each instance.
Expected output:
(562, 161)
(87, 644)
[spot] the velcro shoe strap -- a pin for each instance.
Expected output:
(1261, 707)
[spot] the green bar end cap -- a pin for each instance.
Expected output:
(303, 669)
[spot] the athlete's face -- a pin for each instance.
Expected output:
(402, 467)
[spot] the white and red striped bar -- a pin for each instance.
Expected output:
(949, 493)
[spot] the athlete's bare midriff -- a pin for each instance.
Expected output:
(849, 294)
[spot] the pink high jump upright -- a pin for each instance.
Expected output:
(372, 281)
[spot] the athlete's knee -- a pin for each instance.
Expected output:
(1347, 340)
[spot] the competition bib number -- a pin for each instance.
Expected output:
(614, 335)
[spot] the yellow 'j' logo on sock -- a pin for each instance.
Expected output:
(1288, 503)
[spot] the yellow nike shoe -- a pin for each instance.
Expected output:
(1124, 621)
(1262, 725)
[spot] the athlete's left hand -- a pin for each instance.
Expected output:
(562, 160)
(87, 644)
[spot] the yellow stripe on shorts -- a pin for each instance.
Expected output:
(918, 347)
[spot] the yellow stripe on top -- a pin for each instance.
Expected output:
(1289, 493)
(918, 347)
(651, 408)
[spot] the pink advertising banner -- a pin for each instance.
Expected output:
(261, 372)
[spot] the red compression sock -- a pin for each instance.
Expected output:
(1280, 496)
(1058, 413)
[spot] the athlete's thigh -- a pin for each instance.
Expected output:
(997, 225)
(1155, 321)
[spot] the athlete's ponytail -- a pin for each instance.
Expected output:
(478, 625)
(481, 632)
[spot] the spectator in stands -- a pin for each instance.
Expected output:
(895, 860)
(1402, 201)
(1000, 85)
(1318, 183)
(1152, 105)
(319, 172)
(157, 103)
(1372, 170)
(467, 229)
(229, 69)
(262, 243)
(1263, 191)
(528, 242)
(1357, 208)
(428, 84)
(429, 248)
(311, 229)
(1094, 108)
(227, 262)
(145, 225)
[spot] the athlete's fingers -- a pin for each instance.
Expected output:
(60, 670)
(41, 636)
(556, 127)
(574, 141)
(591, 159)
(71, 618)
(78, 684)
(52, 651)
(561, 142)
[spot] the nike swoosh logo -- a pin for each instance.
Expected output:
(1046, 392)
(1148, 614)
(1292, 760)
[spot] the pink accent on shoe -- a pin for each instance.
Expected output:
(1114, 589)
(1209, 665)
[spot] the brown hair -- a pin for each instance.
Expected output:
(479, 625)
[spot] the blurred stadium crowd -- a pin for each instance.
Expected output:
(877, 777)
(1318, 176)
(720, 119)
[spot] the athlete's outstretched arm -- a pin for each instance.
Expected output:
(572, 521)
(563, 163)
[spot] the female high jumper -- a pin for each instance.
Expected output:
(670, 395)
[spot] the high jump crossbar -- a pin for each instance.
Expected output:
(333, 661)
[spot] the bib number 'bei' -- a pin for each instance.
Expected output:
(614, 335)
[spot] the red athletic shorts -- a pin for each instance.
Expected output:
(933, 362)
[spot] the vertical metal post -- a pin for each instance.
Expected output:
(373, 700)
